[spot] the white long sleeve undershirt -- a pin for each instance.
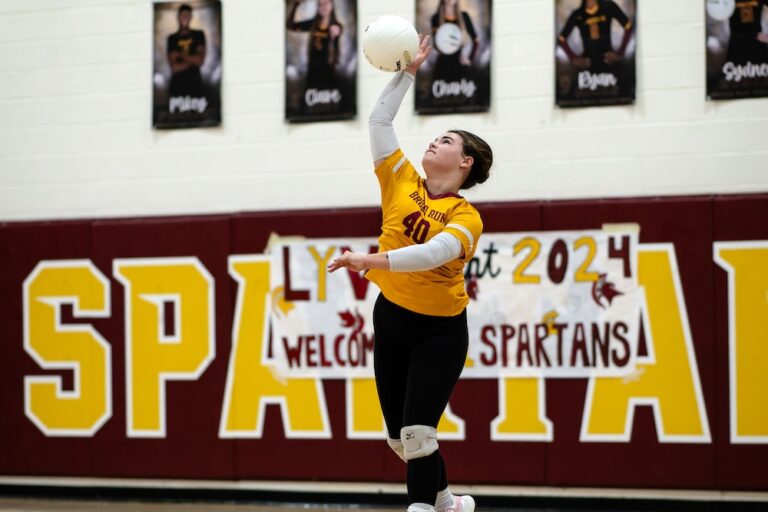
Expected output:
(441, 248)
(382, 133)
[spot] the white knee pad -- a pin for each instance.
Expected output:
(418, 441)
(397, 447)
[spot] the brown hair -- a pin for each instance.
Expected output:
(482, 155)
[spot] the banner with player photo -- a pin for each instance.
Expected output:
(187, 64)
(737, 49)
(595, 52)
(549, 304)
(457, 75)
(320, 60)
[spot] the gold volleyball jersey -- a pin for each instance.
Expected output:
(412, 216)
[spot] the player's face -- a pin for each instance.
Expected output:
(184, 18)
(324, 7)
(445, 152)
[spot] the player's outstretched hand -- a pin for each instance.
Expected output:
(352, 260)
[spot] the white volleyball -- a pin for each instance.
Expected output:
(390, 43)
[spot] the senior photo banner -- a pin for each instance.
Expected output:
(549, 304)
(320, 60)
(187, 64)
(595, 52)
(457, 75)
(737, 48)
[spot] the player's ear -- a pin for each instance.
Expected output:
(467, 162)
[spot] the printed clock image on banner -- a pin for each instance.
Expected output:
(595, 52)
(737, 49)
(456, 77)
(187, 64)
(320, 60)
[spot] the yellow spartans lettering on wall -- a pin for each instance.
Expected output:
(155, 354)
(745, 263)
(169, 335)
(79, 348)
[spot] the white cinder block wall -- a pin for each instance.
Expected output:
(76, 138)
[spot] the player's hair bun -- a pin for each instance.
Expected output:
(482, 155)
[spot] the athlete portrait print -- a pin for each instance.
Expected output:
(457, 75)
(187, 64)
(594, 52)
(320, 60)
(737, 48)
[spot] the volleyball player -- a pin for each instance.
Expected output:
(748, 42)
(186, 53)
(428, 234)
(452, 66)
(323, 46)
(593, 19)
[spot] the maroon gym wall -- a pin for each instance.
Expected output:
(192, 447)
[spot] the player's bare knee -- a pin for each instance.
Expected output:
(418, 441)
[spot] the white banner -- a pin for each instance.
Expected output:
(550, 304)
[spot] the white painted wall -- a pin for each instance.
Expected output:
(76, 138)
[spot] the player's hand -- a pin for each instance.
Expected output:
(351, 260)
(762, 37)
(421, 54)
(611, 57)
(334, 31)
(463, 60)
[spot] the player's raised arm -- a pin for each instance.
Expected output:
(382, 133)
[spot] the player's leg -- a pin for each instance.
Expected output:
(390, 361)
(435, 366)
(447, 501)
